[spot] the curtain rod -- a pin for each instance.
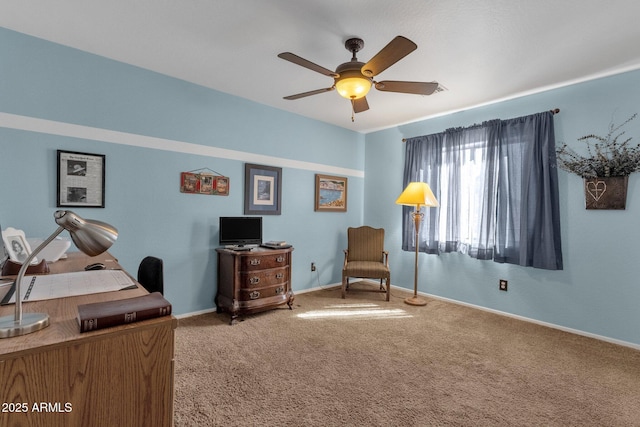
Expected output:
(554, 111)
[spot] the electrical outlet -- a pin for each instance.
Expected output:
(313, 266)
(503, 285)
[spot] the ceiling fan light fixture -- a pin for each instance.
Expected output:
(353, 79)
(353, 85)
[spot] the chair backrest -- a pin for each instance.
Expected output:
(365, 243)
(150, 274)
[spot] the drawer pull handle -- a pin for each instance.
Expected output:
(254, 280)
(254, 295)
(255, 261)
(280, 259)
(279, 275)
(279, 290)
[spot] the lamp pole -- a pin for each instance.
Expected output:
(90, 236)
(26, 323)
(417, 218)
(417, 194)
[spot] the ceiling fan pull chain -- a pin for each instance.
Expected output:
(353, 110)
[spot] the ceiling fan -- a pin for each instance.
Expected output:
(354, 79)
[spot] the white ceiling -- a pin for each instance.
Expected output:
(481, 51)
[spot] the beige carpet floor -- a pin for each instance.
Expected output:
(366, 362)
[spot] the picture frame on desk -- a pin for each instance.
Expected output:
(16, 245)
(80, 179)
(262, 190)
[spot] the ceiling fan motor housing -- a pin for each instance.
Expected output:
(354, 45)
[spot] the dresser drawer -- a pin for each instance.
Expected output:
(262, 278)
(262, 262)
(260, 293)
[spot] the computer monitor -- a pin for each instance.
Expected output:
(240, 231)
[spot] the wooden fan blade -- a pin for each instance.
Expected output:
(397, 49)
(360, 105)
(311, 92)
(288, 56)
(418, 88)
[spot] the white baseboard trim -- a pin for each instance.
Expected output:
(535, 321)
(194, 313)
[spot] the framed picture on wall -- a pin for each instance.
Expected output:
(204, 183)
(331, 193)
(262, 189)
(81, 178)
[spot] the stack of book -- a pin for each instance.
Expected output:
(276, 244)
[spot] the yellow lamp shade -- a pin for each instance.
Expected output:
(417, 194)
(352, 85)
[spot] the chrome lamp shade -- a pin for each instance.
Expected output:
(90, 236)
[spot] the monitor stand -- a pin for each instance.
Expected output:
(239, 247)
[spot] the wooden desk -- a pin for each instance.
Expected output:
(120, 376)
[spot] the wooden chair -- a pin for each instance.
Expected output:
(365, 257)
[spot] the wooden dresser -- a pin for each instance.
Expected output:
(253, 281)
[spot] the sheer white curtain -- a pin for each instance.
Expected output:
(497, 188)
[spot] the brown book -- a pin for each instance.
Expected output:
(113, 313)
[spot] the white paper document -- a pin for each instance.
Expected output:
(41, 287)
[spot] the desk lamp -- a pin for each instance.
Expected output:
(417, 194)
(91, 237)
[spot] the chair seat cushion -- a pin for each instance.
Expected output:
(370, 269)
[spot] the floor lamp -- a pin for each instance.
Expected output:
(417, 194)
(91, 237)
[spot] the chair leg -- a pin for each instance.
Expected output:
(388, 287)
(345, 280)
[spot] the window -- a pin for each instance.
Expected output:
(497, 188)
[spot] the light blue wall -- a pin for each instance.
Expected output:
(598, 291)
(42, 80)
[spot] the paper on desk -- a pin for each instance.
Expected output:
(41, 287)
(5, 287)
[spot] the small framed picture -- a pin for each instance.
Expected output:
(189, 183)
(204, 183)
(331, 193)
(221, 185)
(16, 245)
(81, 178)
(262, 190)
